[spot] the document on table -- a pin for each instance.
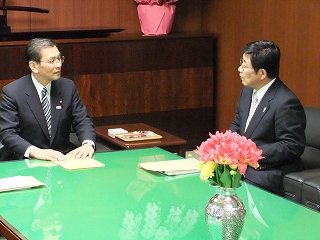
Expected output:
(72, 163)
(18, 183)
(172, 167)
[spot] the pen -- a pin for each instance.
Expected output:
(134, 135)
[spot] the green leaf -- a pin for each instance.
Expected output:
(236, 180)
(225, 177)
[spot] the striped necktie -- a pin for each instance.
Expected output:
(254, 105)
(46, 108)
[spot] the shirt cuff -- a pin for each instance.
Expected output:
(27, 152)
(90, 142)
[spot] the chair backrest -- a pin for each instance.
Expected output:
(311, 155)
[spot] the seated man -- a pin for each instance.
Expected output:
(270, 114)
(38, 111)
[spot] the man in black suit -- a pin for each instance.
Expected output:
(32, 127)
(270, 114)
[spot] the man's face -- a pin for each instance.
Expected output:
(49, 67)
(247, 74)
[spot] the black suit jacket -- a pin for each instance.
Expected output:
(22, 122)
(277, 127)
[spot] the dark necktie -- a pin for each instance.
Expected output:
(46, 108)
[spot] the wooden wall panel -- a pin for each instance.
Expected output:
(16, 19)
(292, 24)
(14, 65)
(131, 75)
(73, 14)
(97, 13)
(147, 91)
(136, 53)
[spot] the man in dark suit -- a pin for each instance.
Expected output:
(36, 122)
(270, 114)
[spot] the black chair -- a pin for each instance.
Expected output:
(304, 186)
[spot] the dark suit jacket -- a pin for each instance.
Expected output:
(277, 127)
(22, 122)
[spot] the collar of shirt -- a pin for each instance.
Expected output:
(263, 90)
(39, 87)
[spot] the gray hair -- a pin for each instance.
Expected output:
(34, 48)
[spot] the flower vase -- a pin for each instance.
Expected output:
(225, 213)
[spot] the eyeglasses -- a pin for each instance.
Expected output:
(241, 64)
(53, 60)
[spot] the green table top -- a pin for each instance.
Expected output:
(122, 201)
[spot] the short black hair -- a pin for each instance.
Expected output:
(264, 54)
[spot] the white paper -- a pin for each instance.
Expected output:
(113, 131)
(172, 167)
(18, 182)
(72, 163)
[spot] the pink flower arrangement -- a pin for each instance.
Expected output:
(158, 2)
(224, 157)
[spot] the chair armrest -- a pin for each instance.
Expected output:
(311, 193)
(292, 183)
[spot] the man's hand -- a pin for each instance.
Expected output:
(82, 152)
(47, 154)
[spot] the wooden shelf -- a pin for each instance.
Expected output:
(59, 34)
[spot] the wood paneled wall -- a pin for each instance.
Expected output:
(292, 24)
(166, 86)
(117, 76)
(92, 13)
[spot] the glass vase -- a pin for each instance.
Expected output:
(225, 213)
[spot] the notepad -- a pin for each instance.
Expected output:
(113, 131)
(172, 167)
(72, 163)
(18, 183)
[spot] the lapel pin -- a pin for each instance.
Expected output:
(264, 109)
(59, 106)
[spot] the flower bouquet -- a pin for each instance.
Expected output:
(156, 16)
(225, 156)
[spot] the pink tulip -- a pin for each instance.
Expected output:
(230, 148)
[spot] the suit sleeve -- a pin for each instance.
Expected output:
(82, 123)
(9, 123)
(289, 126)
